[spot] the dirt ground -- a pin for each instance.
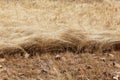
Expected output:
(63, 66)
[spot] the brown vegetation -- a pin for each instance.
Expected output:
(36, 27)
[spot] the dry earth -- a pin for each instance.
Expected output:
(63, 66)
(59, 39)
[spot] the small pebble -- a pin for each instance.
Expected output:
(57, 57)
(111, 55)
(116, 65)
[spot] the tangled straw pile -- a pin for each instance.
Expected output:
(48, 26)
(71, 40)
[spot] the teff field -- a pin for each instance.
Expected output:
(59, 39)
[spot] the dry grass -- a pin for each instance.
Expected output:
(48, 26)
(65, 66)
(58, 26)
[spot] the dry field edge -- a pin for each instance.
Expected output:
(56, 26)
(69, 41)
(59, 39)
